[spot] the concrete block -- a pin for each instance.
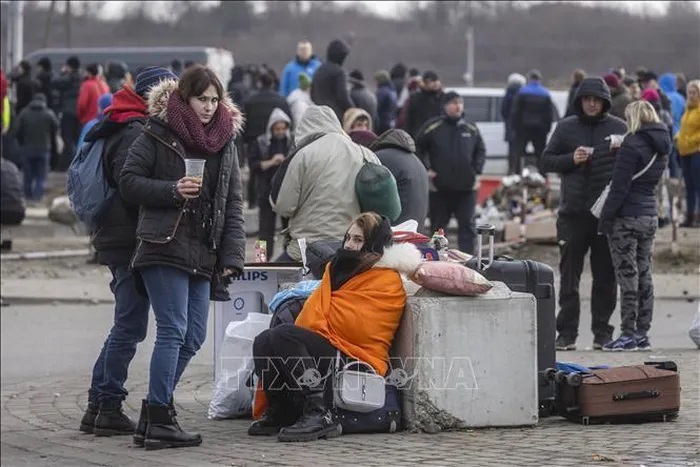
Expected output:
(467, 361)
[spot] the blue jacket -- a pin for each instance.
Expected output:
(667, 83)
(290, 75)
(637, 198)
(386, 108)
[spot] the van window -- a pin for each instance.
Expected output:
(478, 108)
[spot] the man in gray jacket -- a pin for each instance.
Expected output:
(397, 152)
(315, 186)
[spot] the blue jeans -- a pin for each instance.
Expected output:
(181, 305)
(691, 174)
(35, 166)
(130, 327)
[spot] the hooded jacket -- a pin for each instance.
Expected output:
(114, 239)
(68, 87)
(37, 125)
(364, 99)
(667, 83)
(582, 184)
(200, 236)
(315, 187)
(637, 198)
(261, 151)
(688, 137)
(421, 107)
(236, 87)
(329, 86)
(532, 110)
(507, 106)
(352, 114)
(620, 98)
(386, 105)
(299, 101)
(397, 152)
(290, 74)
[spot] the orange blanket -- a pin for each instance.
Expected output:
(361, 318)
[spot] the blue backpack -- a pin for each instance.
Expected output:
(89, 191)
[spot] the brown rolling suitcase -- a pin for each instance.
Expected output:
(627, 394)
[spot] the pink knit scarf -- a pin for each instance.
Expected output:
(209, 138)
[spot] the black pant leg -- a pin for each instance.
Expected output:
(266, 230)
(440, 210)
(464, 211)
(604, 287)
(573, 246)
(521, 140)
(539, 141)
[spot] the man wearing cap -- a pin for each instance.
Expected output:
(454, 154)
(423, 105)
(114, 241)
(531, 118)
(362, 97)
(580, 151)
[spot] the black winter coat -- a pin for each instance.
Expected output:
(257, 110)
(365, 99)
(201, 236)
(114, 239)
(422, 106)
(396, 150)
(68, 87)
(637, 198)
(329, 85)
(454, 149)
(582, 184)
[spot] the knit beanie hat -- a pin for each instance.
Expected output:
(612, 80)
(382, 76)
(650, 95)
(363, 137)
(104, 102)
(304, 81)
(151, 76)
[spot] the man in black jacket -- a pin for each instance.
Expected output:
(454, 154)
(257, 110)
(25, 86)
(114, 241)
(424, 104)
(67, 86)
(580, 151)
(44, 78)
(362, 97)
(330, 85)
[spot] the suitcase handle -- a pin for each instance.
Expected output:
(489, 230)
(626, 396)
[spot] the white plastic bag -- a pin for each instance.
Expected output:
(233, 395)
(694, 331)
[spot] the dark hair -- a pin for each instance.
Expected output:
(73, 62)
(189, 63)
(44, 63)
(266, 81)
(93, 69)
(176, 64)
(196, 80)
(25, 66)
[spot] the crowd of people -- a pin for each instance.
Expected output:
(172, 240)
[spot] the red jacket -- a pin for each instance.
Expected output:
(91, 90)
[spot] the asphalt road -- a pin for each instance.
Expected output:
(63, 340)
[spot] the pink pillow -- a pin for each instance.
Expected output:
(451, 278)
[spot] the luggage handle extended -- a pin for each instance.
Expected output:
(626, 396)
(489, 230)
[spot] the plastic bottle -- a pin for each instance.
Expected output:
(439, 242)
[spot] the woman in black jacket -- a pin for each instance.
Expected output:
(190, 232)
(629, 219)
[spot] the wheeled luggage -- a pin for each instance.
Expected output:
(626, 394)
(528, 277)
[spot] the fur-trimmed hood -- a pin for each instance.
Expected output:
(404, 258)
(159, 94)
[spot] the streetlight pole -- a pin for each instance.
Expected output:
(469, 75)
(16, 36)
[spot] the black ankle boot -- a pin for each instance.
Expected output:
(113, 422)
(87, 423)
(281, 412)
(317, 422)
(689, 221)
(140, 433)
(163, 431)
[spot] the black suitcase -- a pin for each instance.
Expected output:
(534, 278)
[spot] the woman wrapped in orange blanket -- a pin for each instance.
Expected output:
(356, 310)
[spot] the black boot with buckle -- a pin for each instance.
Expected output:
(87, 423)
(282, 411)
(163, 431)
(318, 421)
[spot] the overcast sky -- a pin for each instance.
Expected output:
(391, 8)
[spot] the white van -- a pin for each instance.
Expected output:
(483, 107)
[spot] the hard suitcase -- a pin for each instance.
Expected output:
(627, 394)
(528, 277)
